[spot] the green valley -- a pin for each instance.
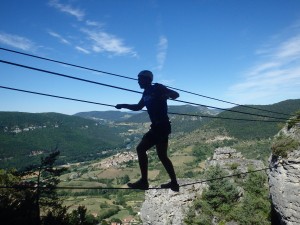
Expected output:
(98, 150)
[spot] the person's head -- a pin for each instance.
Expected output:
(145, 78)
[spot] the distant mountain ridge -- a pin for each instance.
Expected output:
(141, 116)
(106, 116)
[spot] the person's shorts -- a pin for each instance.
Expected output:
(158, 133)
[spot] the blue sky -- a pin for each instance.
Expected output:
(243, 51)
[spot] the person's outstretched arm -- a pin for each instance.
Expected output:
(133, 107)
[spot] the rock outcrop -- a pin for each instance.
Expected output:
(229, 159)
(284, 182)
(165, 207)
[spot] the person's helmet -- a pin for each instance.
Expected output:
(146, 73)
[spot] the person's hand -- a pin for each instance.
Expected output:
(119, 106)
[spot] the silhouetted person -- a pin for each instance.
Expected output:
(155, 99)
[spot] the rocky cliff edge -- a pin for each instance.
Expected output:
(284, 177)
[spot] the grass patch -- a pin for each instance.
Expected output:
(283, 145)
(294, 120)
(179, 161)
(254, 149)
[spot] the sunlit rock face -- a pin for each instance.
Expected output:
(165, 207)
(229, 159)
(284, 182)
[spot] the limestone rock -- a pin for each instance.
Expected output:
(284, 182)
(165, 207)
(229, 159)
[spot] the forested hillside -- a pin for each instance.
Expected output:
(24, 136)
(256, 130)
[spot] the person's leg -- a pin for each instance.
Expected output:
(141, 149)
(161, 149)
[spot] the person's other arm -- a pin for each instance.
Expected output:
(167, 93)
(171, 94)
(133, 107)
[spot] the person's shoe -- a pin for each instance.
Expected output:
(140, 184)
(173, 185)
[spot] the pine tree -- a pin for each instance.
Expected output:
(30, 198)
(16, 204)
(44, 183)
(216, 201)
(221, 194)
(256, 201)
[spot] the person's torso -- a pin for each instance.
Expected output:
(156, 104)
